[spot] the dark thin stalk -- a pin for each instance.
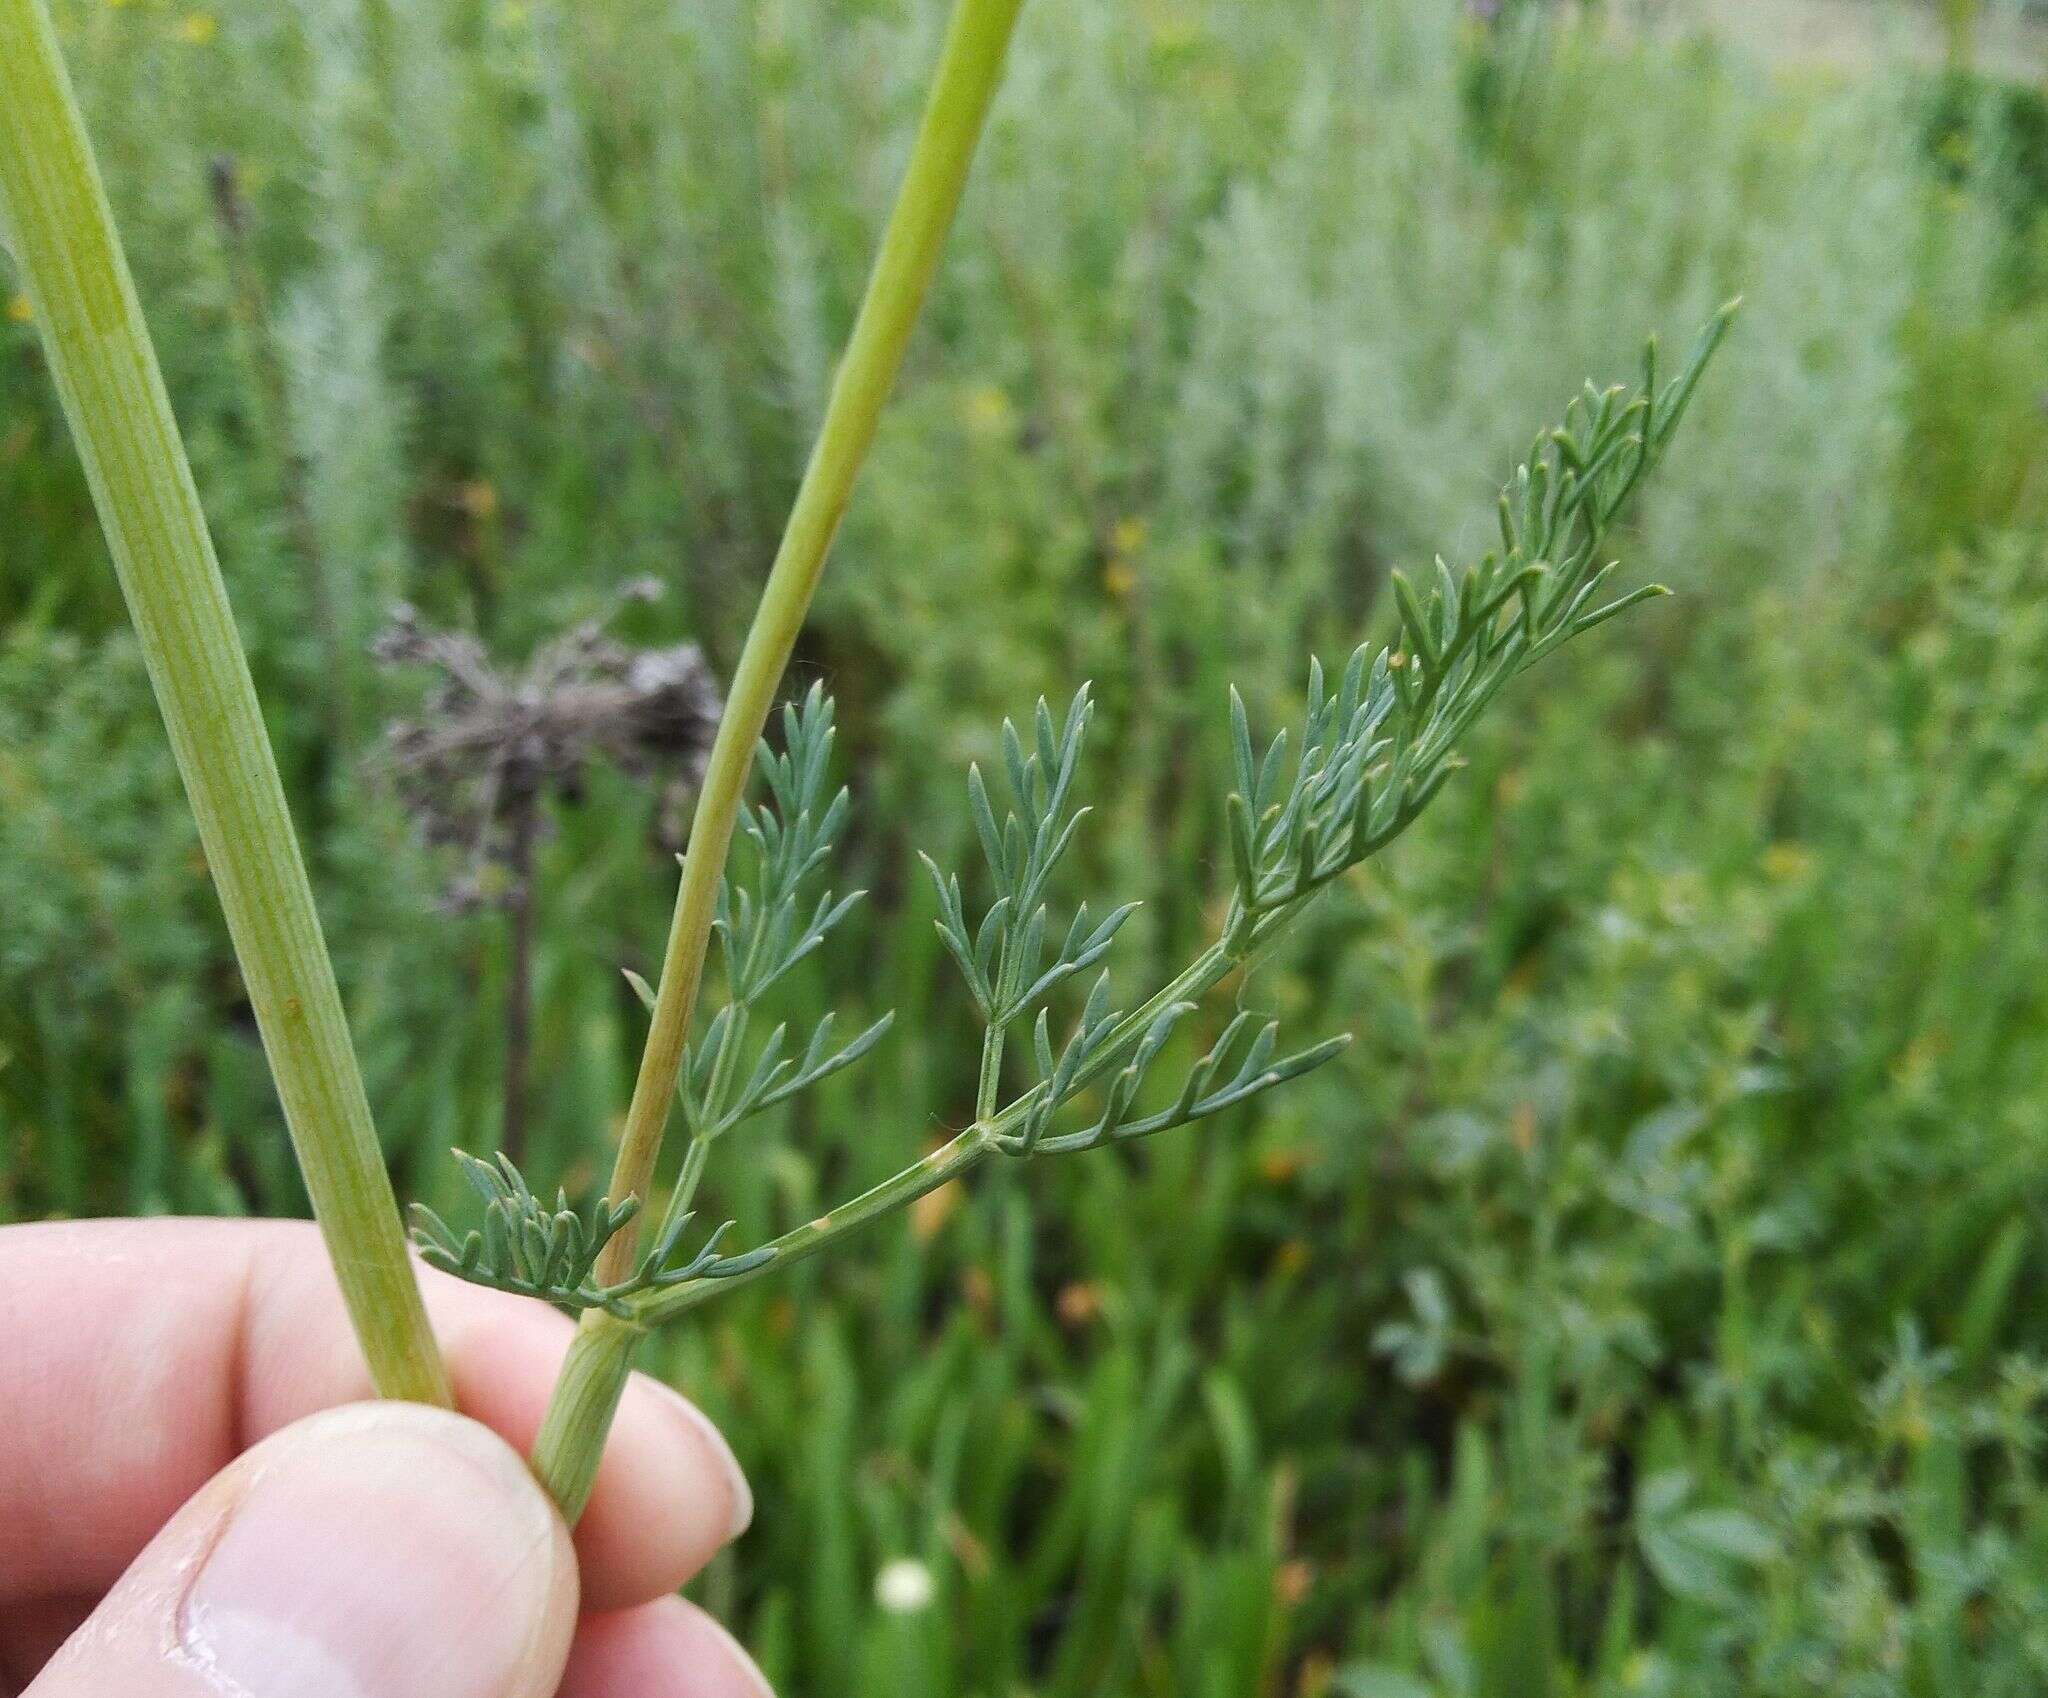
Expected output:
(519, 909)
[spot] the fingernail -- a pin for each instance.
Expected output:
(751, 1682)
(383, 1551)
(740, 1495)
(670, 1647)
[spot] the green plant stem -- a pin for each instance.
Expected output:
(958, 1156)
(106, 372)
(990, 1082)
(970, 65)
(585, 1399)
(969, 69)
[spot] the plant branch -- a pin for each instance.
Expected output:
(968, 1149)
(106, 372)
(960, 1155)
(585, 1399)
(1372, 756)
(970, 65)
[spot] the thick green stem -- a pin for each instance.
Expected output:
(585, 1400)
(970, 67)
(571, 1441)
(113, 394)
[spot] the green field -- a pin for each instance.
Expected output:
(1654, 1299)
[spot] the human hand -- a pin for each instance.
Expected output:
(326, 1547)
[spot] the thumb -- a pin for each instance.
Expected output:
(383, 1550)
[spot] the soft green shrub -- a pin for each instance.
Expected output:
(1649, 1301)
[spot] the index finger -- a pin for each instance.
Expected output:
(143, 1356)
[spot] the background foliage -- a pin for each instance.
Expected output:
(1650, 1301)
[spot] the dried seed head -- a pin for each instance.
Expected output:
(486, 744)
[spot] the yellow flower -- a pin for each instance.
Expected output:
(987, 411)
(1171, 29)
(1915, 1066)
(199, 28)
(1786, 862)
(1126, 538)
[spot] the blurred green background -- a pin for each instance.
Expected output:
(1653, 1299)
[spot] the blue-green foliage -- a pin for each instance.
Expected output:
(1652, 1299)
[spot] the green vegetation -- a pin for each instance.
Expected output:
(1649, 1300)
